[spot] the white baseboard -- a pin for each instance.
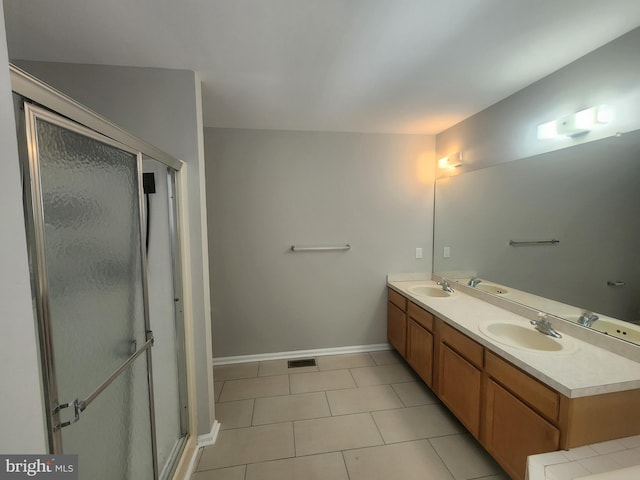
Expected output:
(210, 438)
(204, 440)
(301, 353)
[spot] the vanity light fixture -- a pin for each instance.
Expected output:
(575, 124)
(451, 161)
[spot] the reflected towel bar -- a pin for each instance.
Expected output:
(536, 242)
(319, 249)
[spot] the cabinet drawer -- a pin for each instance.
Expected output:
(462, 344)
(420, 315)
(397, 299)
(531, 391)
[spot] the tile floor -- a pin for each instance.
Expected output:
(362, 416)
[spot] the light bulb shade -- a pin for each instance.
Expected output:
(578, 123)
(451, 161)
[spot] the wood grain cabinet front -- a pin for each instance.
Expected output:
(513, 431)
(397, 322)
(460, 387)
(420, 350)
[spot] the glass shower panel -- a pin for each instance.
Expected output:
(166, 325)
(95, 295)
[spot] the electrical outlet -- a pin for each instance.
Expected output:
(446, 252)
(418, 252)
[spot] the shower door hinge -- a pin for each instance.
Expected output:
(77, 408)
(150, 337)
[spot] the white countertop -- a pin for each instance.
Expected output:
(590, 370)
(613, 460)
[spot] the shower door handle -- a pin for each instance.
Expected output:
(80, 405)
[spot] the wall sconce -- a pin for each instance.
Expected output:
(578, 123)
(451, 161)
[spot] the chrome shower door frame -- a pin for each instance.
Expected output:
(35, 232)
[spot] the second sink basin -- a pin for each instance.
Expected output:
(526, 337)
(427, 291)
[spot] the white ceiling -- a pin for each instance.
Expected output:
(395, 66)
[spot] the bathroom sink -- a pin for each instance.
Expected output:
(526, 337)
(495, 289)
(427, 291)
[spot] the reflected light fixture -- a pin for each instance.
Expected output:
(576, 124)
(451, 161)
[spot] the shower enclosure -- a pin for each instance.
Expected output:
(107, 289)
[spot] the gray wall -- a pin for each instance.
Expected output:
(22, 414)
(162, 107)
(508, 130)
(267, 190)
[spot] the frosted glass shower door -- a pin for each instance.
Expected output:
(91, 297)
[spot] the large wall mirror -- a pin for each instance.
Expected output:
(559, 232)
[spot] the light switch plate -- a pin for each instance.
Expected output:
(418, 252)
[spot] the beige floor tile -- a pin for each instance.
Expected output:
(234, 414)
(413, 394)
(235, 371)
(350, 360)
(230, 473)
(328, 466)
(385, 357)
(254, 388)
(407, 461)
(281, 367)
(320, 381)
(464, 457)
(249, 445)
(415, 423)
(365, 399)
(217, 388)
(332, 434)
(290, 407)
(382, 374)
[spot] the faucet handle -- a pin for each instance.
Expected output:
(542, 319)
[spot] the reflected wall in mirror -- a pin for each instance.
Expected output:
(586, 196)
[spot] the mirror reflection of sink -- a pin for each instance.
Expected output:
(615, 328)
(427, 291)
(526, 337)
(495, 289)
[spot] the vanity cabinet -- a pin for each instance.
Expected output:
(510, 412)
(520, 418)
(397, 321)
(460, 376)
(420, 342)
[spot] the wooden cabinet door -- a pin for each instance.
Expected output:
(460, 388)
(420, 350)
(514, 431)
(397, 328)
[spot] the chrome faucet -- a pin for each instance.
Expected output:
(474, 282)
(445, 285)
(587, 318)
(544, 326)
